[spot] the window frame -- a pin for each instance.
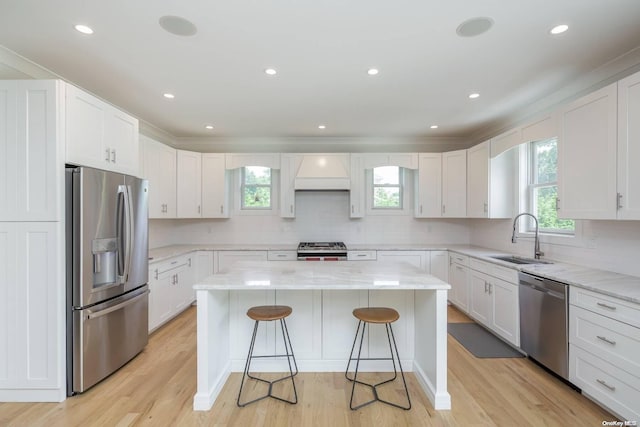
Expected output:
(242, 186)
(400, 186)
(407, 197)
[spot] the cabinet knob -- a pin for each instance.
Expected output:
(107, 156)
(198, 208)
(619, 200)
(113, 156)
(291, 209)
(221, 209)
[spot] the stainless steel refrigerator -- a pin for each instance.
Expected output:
(107, 271)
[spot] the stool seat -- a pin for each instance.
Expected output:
(376, 314)
(269, 312)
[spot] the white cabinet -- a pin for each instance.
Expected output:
(226, 258)
(418, 259)
(491, 182)
(205, 264)
(459, 281)
(159, 167)
(454, 184)
(99, 135)
(361, 255)
(215, 186)
(604, 343)
(439, 265)
(403, 328)
(428, 202)
(189, 184)
(357, 193)
(282, 255)
(587, 156)
(544, 127)
(494, 299)
(171, 288)
(31, 159)
(629, 147)
(287, 182)
(304, 323)
(241, 326)
(339, 324)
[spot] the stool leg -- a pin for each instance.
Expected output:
(248, 363)
(355, 375)
(290, 347)
(351, 354)
(289, 352)
(406, 389)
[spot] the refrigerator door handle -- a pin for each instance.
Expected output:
(128, 211)
(120, 226)
(100, 313)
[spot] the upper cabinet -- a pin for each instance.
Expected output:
(491, 182)
(215, 186)
(357, 194)
(441, 185)
(159, 167)
(454, 184)
(287, 190)
(31, 150)
(629, 147)
(189, 184)
(99, 135)
(428, 200)
(587, 156)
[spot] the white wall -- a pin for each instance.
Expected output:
(320, 216)
(606, 245)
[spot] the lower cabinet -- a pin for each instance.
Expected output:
(171, 288)
(338, 323)
(459, 281)
(418, 258)
(604, 343)
(226, 258)
(403, 328)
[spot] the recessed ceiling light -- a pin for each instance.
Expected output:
(474, 27)
(373, 71)
(83, 29)
(177, 25)
(322, 127)
(271, 71)
(434, 126)
(169, 95)
(208, 127)
(559, 29)
(474, 95)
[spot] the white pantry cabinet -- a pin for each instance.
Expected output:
(99, 135)
(454, 184)
(587, 156)
(428, 202)
(189, 184)
(629, 147)
(215, 186)
(159, 167)
(358, 185)
(31, 160)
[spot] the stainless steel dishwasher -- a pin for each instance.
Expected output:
(544, 322)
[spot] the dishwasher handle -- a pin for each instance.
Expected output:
(546, 286)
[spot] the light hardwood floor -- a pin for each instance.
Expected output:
(157, 388)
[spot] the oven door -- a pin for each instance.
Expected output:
(106, 336)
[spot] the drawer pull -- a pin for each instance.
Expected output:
(606, 340)
(610, 307)
(604, 383)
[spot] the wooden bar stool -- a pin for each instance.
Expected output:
(267, 313)
(377, 315)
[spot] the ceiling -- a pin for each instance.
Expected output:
(321, 51)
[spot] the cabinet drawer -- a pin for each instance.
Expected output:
(614, 341)
(504, 273)
(614, 308)
(481, 266)
(361, 255)
(282, 256)
(170, 267)
(605, 383)
(458, 258)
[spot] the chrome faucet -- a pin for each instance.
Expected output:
(536, 248)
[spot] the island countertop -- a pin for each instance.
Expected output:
(321, 275)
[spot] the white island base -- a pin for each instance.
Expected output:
(322, 327)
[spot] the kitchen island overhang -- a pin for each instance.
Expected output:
(324, 295)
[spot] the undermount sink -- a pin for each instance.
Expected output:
(519, 260)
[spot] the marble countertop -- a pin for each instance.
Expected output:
(605, 282)
(321, 275)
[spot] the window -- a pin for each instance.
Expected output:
(543, 188)
(255, 187)
(387, 187)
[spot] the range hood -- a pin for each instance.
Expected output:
(323, 172)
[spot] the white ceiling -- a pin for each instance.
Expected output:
(322, 50)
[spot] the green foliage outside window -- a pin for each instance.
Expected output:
(256, 187)
(387, 189)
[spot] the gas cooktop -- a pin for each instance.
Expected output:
(322, 251)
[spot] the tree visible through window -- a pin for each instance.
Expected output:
(543, 188)
(256, 187)
(387, 187)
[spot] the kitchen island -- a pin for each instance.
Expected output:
(322, 295)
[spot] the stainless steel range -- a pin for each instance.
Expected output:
(322, 251)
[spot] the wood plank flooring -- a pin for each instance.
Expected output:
(157, 388)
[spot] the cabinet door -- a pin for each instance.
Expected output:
(161, 284)
(183, 294)
(419, 259)
(429, 186)
(439, 264)
(629, 147)
(86, 127)
(505, 319)
(287, 181)
(227, 258)
(159, 163)
(338, 323)
(204, 264)
(215, 186)
(478, 181)
(304, 324)
(454, 184)
(31, 172)
(189, 184)
(356, 196)
(459, 293)
(480, 304)
(241, 326)
(403, 328)
(587, 156)
(121, 135)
